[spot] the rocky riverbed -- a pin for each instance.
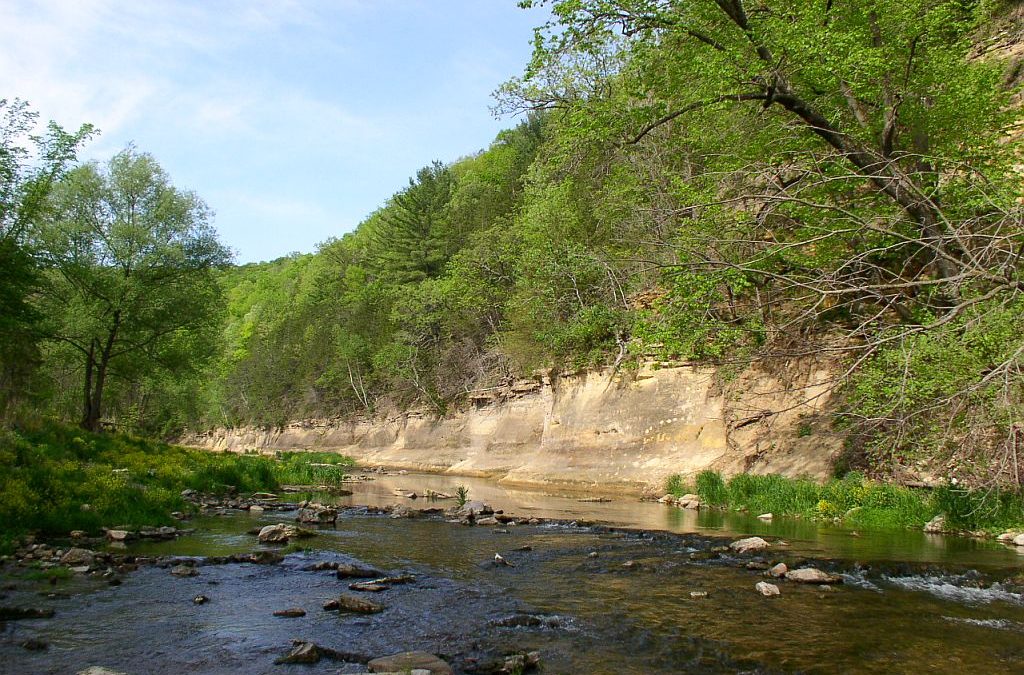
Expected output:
(477, 590)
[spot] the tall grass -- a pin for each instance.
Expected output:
(856, 501)
(56, 478)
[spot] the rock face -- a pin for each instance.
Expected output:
(811, 575)
(409, 661)
(622, 430)
(277, 534)
(749, 545)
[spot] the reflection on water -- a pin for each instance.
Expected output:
(811, 538)
(589, 611)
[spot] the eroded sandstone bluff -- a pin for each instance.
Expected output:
(616, 430)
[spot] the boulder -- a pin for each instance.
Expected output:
(277, 534)
(409, 661)
(1018, 540)
(318, 515)
(291, 612)
(118, 535)
(255, 508)
(766, 516)
(474, 508)
(402, 511)
(487, 521)
(748, 545)
(77, 556)
(778, 571)
(667, 499)
(689, 501)
(766, 589)
(812, 575)
(346, 571)
(351, 603)
(936, 525)
(99, 670)
(184, 571)
(302, 652)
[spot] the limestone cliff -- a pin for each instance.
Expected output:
(611, 430)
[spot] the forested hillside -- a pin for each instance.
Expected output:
(711, 181)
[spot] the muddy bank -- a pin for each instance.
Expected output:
(616, 430)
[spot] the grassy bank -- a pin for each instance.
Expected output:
(855, 501)
(56, 478)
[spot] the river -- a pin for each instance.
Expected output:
(589, 597)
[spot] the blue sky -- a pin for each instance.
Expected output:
(293, 119)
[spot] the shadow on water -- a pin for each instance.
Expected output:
(591, 599)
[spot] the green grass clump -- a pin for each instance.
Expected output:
(311, 468)
(55, 478)
(856, 501)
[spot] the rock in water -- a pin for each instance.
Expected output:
(409, 661)
(277, 534)
(77, 556)
(345, 571)
(936, 525)
(350, 603)
(1018, 540)
(319, 515)
(749, 544)
(99, 670)
(689, 501)
(766, 516)
(291, 612)
(474, 508)
(778, 571)
(766, 589)
(811, 575)
(302, 652)
(184, 571)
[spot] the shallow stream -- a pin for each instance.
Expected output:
(910, 602)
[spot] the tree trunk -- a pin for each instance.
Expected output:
(90, 419)
(94, 393)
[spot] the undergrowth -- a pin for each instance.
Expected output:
(55, 478)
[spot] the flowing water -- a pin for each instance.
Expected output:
(911, 602)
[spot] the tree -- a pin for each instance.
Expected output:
(412, 234)
(129, 284)
(847, 186)
(26, 178)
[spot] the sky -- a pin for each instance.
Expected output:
(292, 119)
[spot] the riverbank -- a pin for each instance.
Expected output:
(55, 478)
(856, 502)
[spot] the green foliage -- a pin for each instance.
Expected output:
(55, 478)
(712, 489)
(855, 501)
(461, 495)
(129, 292)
